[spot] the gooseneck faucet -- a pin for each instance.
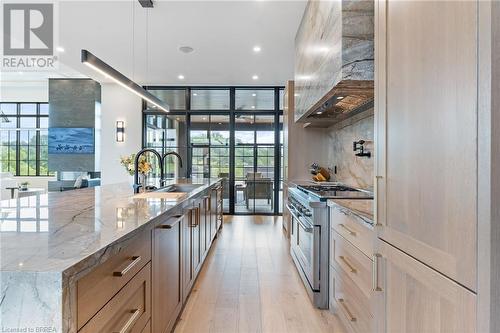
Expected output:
(162, 180)
(137, 186)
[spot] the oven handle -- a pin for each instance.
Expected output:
(292, 211)
(308, 229)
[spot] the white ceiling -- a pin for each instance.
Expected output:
(143, 43)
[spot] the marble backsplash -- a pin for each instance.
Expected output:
(352, 170)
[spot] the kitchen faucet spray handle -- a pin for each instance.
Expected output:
(356, 143)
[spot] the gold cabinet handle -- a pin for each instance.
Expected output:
(346, 309)
(192, 224)
(207, 201)
(349, 230)
(128, 325)
(375, 285)
(348, 264)
(135, 261)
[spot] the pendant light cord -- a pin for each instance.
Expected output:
(133, 41)
(147, 44)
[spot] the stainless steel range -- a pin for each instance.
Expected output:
(309, 233)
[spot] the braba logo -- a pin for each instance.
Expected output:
(28, 36)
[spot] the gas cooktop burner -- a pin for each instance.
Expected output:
(327, 188)
(335, 191)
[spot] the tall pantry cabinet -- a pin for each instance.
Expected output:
(434, 133)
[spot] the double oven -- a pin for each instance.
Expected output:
(309, 242)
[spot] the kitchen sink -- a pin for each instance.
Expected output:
(180, 188)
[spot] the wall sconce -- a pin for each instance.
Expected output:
(120, 131)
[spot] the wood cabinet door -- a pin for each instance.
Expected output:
(213, 215)
(426, 119)
(419, 299)
(167, 286)
(196, 238)
(207, 219)
(203, 228)
(187, 255)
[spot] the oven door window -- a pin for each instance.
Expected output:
(305, 249)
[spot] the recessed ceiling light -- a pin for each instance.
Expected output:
(195, 94)
(255, 77)
(20, 73)
(204, 118)
(340, 97)
(253, 106)
(256, 49)
(254, 94)
(186, 49)
(303, 77)
(180, 77)
(60, 49)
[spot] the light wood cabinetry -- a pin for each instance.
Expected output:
(127, 311)
(167, 286)
(419, 299)
(346, 258)
(350, 304)
(352, 228)
(147, 328)
(428, 188)
(427, 133)
(351, 269)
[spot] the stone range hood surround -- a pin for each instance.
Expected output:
(334, 67)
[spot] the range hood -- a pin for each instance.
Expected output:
(334, 67)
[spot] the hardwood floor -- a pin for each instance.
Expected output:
(249, 284)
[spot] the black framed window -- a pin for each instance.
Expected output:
(229, 132)
(24, 138)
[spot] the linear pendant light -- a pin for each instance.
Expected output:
(100, 66)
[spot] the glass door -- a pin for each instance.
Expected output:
(254, 164)
(209, 147)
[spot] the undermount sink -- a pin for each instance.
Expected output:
(180, 188)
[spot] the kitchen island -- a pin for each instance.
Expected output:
(67, 258)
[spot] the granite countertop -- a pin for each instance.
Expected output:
(359, 207)
(53, 232)
(49, 241)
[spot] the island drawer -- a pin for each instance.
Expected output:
(349, 303)
(129, 310)
(352, 228)
(348, 259)
(96, 288)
